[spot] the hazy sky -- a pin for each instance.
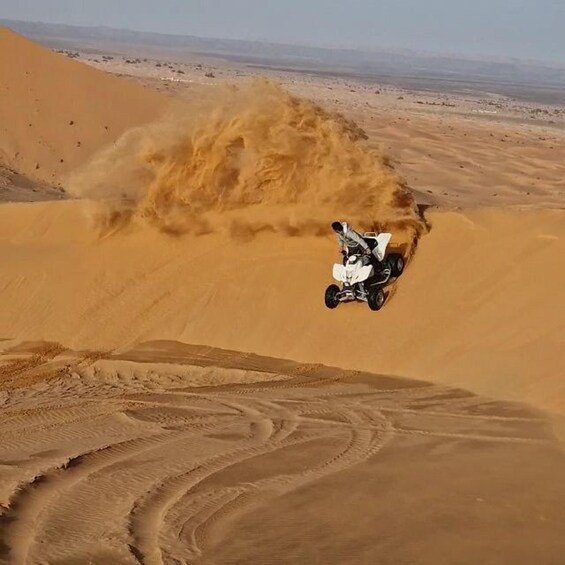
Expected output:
(527, 29)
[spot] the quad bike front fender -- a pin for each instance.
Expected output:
(360, 275)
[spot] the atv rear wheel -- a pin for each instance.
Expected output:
(376, 298)
(396, 263)
(331, 299)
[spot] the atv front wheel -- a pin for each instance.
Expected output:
(331, 298)
(396, 262)
(376, 299)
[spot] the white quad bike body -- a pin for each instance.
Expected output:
(359, 279)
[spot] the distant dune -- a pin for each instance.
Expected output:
(55, 112)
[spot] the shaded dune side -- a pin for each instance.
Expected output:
(55, 112)
(476, 308)
(252, 159)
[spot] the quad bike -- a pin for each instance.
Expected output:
(364, 278)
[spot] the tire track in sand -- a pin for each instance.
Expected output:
(19, 525)
(360, 444)
(207, 447)
(148, 514)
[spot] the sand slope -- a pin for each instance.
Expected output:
(478, 307)
(55, 112)
(122, 460)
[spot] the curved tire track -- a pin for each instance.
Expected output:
(173, 512)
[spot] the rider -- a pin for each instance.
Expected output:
(351, 242)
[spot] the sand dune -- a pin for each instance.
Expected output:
(137, 466)
(148, 414)
(468, 163)
(55, 113)
(478, 307)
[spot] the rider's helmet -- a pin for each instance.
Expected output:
(339, 227)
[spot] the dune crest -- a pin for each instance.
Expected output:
(249, 154)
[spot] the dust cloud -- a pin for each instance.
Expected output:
(247, 160)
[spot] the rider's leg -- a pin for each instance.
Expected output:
(362, 290)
